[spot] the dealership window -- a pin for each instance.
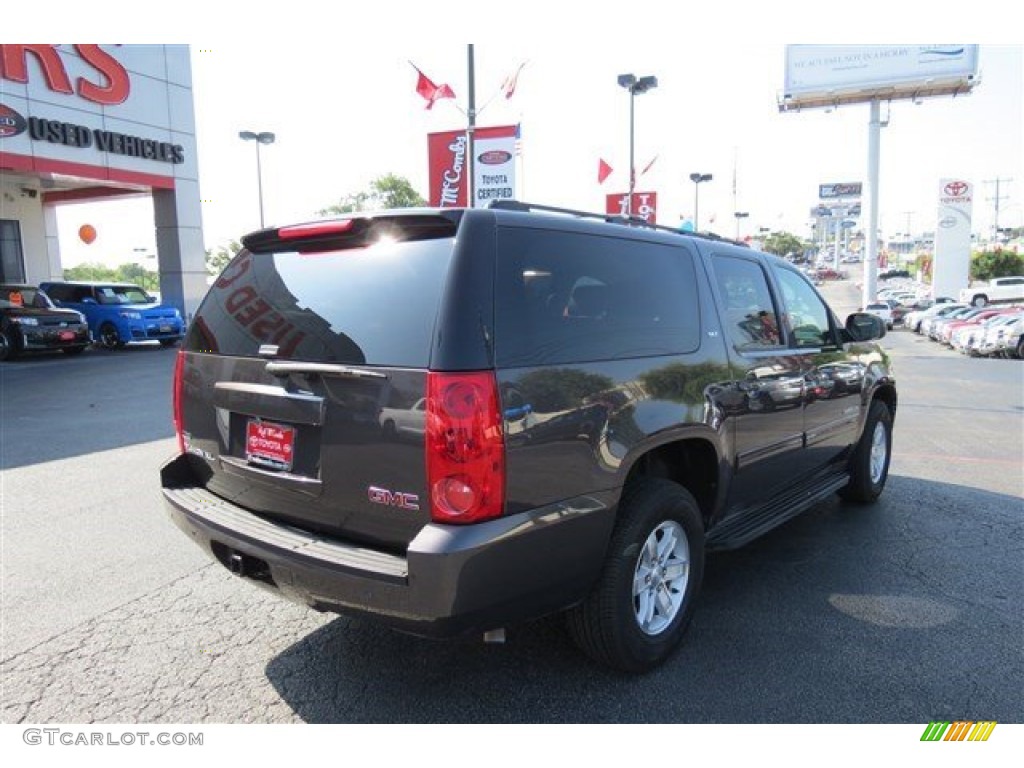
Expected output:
(12, 265)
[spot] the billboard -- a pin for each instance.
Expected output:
(953, 237)
(494, 166)
(645, 205)
(847, 189)
(830, 75)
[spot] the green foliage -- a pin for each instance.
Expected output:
(218, 258)
(123, 273)
(988, 264)
(781, 243)
(388, 191)
(560, 389)
(684, 383)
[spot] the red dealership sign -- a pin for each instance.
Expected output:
(645, 205)
(494, 166)
(110, 84)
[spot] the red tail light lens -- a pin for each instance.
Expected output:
(179, 374)
(465, 447)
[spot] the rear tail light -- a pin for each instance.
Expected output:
(465, 447)
(179, 373)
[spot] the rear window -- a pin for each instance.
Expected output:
(375, 305)
(566, 297)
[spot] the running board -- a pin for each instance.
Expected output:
(743, 527)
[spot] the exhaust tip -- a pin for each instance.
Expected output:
(494, 636)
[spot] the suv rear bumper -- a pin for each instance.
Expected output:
(451, 580)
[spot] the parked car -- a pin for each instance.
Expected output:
(881, 310)
(635, 348)
(29, 322)
(915, 320)
(119, 313)
(999, 290)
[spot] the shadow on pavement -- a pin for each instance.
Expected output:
(904, 611)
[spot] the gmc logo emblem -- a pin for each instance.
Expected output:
(409, 501)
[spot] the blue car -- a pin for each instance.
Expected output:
(119, 313)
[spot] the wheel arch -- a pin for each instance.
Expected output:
(694, 461)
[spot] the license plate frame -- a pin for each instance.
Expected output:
(269, 444)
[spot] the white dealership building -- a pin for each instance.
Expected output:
(85, 123)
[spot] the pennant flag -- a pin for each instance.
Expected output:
(648, 166)
(519, 139)
(508, 87)
(603, 171)
(425, 87)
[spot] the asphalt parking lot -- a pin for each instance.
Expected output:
(904, 612)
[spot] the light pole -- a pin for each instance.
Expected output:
(739, 215)
(697, 178)
(264, 137)
(635, 86)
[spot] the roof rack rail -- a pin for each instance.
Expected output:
(636, 221)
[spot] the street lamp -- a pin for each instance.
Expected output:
(739, 215)
(697, 178)
(264, 137)
(635, 86)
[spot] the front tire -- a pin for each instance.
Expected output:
(640, 608)
(869, 464)
(8, 347)
(980, 300)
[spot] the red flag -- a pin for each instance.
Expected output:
(648, 166)
(425, 87)
(603, 171)
(509, 85)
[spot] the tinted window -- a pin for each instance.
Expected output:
(806, 314)
(58, 292)
(747, 308)
(373, 305)
(564, 297)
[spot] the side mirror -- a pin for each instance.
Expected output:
(862, 326)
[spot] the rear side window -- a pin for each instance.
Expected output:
(375, 305)
(564, 297)
(749, 312)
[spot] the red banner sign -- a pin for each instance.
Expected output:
(645, 205)
(449, 166)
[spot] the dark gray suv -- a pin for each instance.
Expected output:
(455, 420)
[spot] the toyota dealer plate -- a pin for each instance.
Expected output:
(269, 445)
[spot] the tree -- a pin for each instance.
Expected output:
(997, 263)
(218, 258)
(781, 243)
(388, 191)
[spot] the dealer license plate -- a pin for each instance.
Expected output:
(269, 445)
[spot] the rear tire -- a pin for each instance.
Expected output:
(980, 300)
(869, 464)
(641, 606)
(109, 338)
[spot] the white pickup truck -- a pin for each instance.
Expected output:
(999, 289)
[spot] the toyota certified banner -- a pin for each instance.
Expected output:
(494, 164)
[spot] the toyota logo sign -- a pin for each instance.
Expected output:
(956, 188)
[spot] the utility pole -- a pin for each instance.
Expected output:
(995, 226)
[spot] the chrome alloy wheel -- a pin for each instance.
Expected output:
(661, 575)
(879, 453)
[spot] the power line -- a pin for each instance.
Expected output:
(997, 181)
